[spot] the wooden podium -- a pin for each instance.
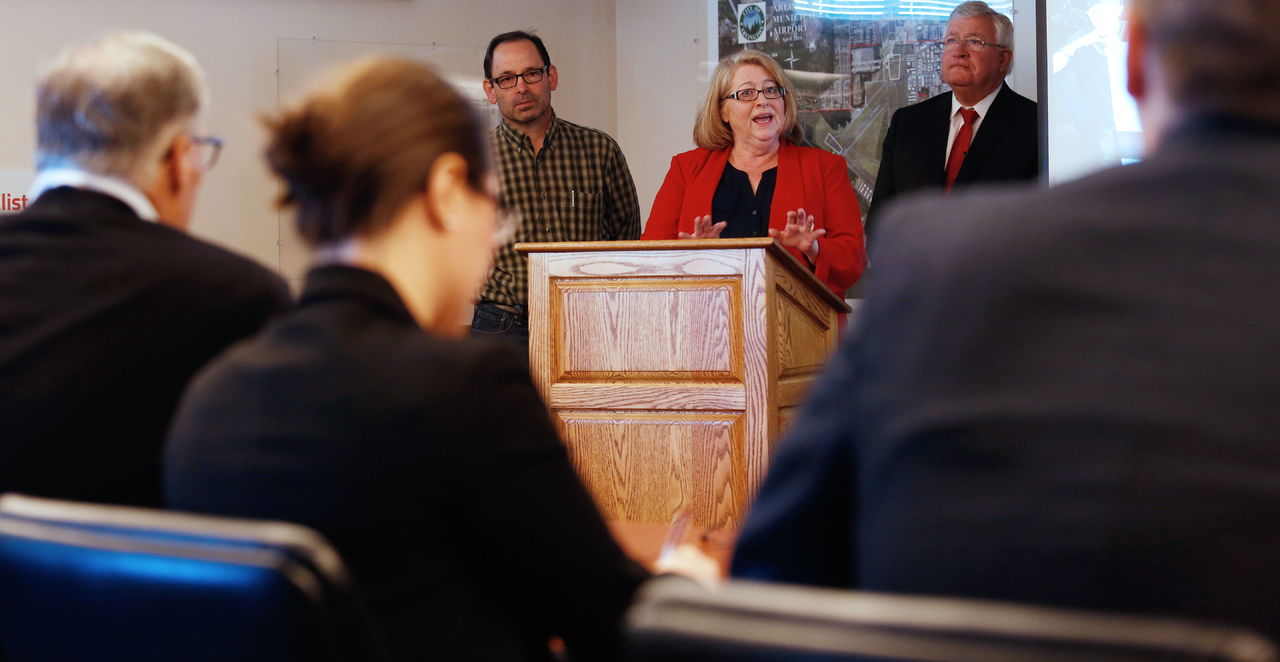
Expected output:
(671, 366)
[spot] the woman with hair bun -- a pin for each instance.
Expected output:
(428, 460)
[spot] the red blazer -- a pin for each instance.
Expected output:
(810, 178)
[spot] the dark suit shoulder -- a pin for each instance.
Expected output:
(924, 110)
(182, 262)
(1011, 98)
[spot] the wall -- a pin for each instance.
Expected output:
(236, 42)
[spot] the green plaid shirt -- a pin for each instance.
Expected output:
(578, 188)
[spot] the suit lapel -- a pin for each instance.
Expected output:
(990, 133)
(933, 137)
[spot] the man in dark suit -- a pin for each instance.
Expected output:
(1080, 411)
(932, 144)
(107, 307)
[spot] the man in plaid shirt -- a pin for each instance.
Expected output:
(567, 182)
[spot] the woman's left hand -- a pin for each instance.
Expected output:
(799, 234)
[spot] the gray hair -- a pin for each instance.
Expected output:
(979, 9)
(1217, 57)
(111, 106)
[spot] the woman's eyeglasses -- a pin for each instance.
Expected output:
(772, 92)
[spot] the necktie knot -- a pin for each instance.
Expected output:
(970, 116)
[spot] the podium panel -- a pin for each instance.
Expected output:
(656, 329)
(644, 466)
(670, 366)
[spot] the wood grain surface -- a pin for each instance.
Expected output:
(646, 466)
(671, 368)
(628, 330)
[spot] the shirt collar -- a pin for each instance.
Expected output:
(519, 138)
(982, 106)
(116, 187)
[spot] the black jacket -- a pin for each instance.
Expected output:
(1068, 397)
(430, 463)
(104, 317)
(913, 158)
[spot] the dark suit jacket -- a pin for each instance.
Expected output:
(431, 464)
(1006, 148)
(1068, 397)
(104, 318)
(810, 178)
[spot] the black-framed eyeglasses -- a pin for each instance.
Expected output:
(212, 149)
(771, 92)
(970, 43)
(530, 77)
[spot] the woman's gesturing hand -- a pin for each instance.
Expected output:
(799, 233)
(703, 228)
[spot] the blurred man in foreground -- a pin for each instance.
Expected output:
(1069, 396)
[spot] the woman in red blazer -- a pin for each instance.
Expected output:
(749, 177)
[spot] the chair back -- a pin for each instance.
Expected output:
(83, 582)
(675, 619)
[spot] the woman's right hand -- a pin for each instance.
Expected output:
(703, 228)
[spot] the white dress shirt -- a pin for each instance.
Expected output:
(957, 120)
(120, 189)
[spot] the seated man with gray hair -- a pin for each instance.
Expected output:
(107, 307)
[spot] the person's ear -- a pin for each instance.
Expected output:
(177, 166)
(446, 191)
(553, 78)
(489, 92)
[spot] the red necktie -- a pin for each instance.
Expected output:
(961, 146)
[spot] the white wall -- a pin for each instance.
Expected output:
(1023, 77)
(665, 55)
(236, 42)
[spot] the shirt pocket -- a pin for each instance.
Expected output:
(581, 210)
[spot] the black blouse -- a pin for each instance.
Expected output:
(746, 211)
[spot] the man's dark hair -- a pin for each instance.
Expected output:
(514, 35)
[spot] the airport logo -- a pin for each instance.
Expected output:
(751, 20)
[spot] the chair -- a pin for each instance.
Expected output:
(83, 582)
(675, 619)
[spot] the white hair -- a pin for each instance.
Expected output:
(111, 106)
(979, 9)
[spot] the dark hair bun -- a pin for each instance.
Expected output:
(353, 153)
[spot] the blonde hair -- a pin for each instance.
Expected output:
(711, 132)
